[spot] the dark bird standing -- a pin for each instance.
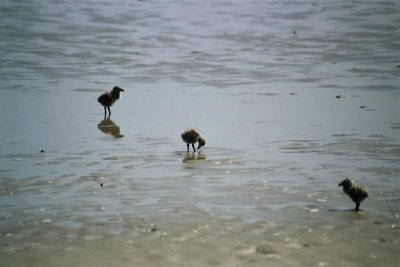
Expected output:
(191, 136)
(107, 99)
(355, 191)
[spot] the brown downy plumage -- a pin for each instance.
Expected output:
(107, 99)
(355, 191)
(191, 136)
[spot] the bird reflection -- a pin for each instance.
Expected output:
(193, 157)
(107, 126)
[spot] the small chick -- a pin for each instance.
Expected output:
(191, 136)
(107, 99)
(355, 191)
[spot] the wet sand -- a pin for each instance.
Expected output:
(78, 189)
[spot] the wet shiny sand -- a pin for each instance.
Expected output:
(78, 189)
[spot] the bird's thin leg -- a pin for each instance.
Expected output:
(105, 112)
(187, 147)
(109, 111)
(194, 149)
(358, 206)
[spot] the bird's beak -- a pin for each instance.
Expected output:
(199, 147)
(121, 89)
(340, 184)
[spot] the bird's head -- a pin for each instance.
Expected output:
(118, 89)
(345, 183)
(202, 142)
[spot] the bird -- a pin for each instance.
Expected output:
(107, 99)
(356, 192)
(191, 136)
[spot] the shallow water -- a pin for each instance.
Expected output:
(259, 78)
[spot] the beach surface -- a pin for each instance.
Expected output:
(292, 97)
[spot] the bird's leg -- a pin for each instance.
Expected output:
(358, 206)
(109, 111)
(194, 149)
(105, 112)
(187, 147)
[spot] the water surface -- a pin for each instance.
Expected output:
(292, 97)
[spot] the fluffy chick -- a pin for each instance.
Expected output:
(107, 99)
(356, 192)
(191, 136)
